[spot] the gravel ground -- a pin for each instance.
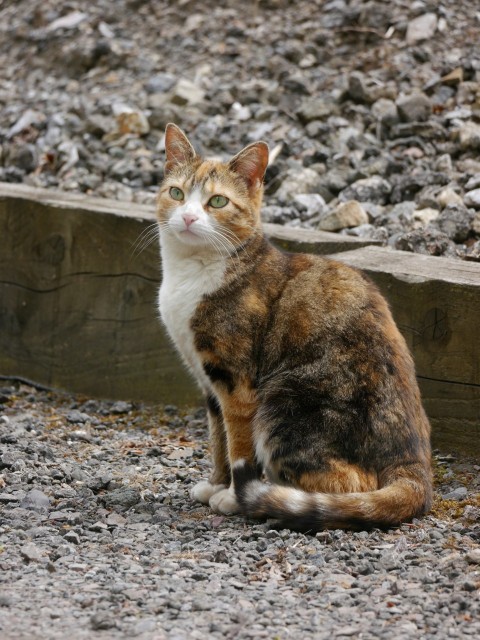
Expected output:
(99, 539)
(371, 107)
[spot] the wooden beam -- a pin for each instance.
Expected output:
(78, 294)
(436, 304)
(78, 306)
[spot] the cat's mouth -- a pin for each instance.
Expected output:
(190, 236)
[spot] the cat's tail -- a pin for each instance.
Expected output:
(404, 493)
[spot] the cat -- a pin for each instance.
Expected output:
(306, 375)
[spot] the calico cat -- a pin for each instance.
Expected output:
(306, 376)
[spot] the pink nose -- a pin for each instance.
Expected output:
(189, 219)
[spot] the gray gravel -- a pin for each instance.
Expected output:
(99, 539)
(360, 100)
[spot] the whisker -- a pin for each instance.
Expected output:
(146, 238)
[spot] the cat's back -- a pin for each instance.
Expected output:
(326, 305)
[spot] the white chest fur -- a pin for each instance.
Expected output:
(187, 277)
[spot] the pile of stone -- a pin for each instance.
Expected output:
(371, 108)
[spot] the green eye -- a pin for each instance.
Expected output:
(176, 193)
(217, 202)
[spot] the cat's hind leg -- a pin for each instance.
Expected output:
(339, 476)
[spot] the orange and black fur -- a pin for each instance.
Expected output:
(307, 378)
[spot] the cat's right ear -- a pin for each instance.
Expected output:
(177, 147)
(251, 164)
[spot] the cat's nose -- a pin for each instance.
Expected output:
(189, 219)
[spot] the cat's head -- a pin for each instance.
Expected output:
(206, 203)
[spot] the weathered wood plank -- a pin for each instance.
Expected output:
(78, 302)
(436, 304)
(78, 306)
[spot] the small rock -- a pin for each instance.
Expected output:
(102, 620)
(69, 21)
(181, 453)
(123, 498)
(77, 417)
(121, 407)
(98, 526)
(186, 92)
(472, 198)
(160, 83)
(35, 500)
(469, 136)
(455, 221)
(72, 536)
(415, 107)
(23, 156)
(31, 552)
(116, 520)
(448, 196)
(309, 204)
(5, 600)
(444, 163)
(347, 214)
(473, 556)
(374, 189)
(314, 108)
(385, 111)
(357, 89)
(473, 182)
(298, 181)
(27, 119)
(460, 493)
(421, 28)
(425, 216)
(8, 459)
(132, 121)
(240, 112)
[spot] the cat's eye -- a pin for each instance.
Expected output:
(176, 193)
(217, 202)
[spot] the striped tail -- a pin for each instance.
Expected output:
(405, 493)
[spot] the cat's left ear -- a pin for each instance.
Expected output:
(177, 147)
(251, 163)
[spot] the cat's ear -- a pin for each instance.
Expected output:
(177, 147)
(251, 163)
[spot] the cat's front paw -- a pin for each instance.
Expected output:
(225, 502)
(204, 490)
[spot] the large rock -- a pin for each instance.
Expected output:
(347, 214)
(429, 241)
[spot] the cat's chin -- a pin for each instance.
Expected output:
(190, 238)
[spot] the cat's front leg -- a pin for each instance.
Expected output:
(238, 411)
(220, 476)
